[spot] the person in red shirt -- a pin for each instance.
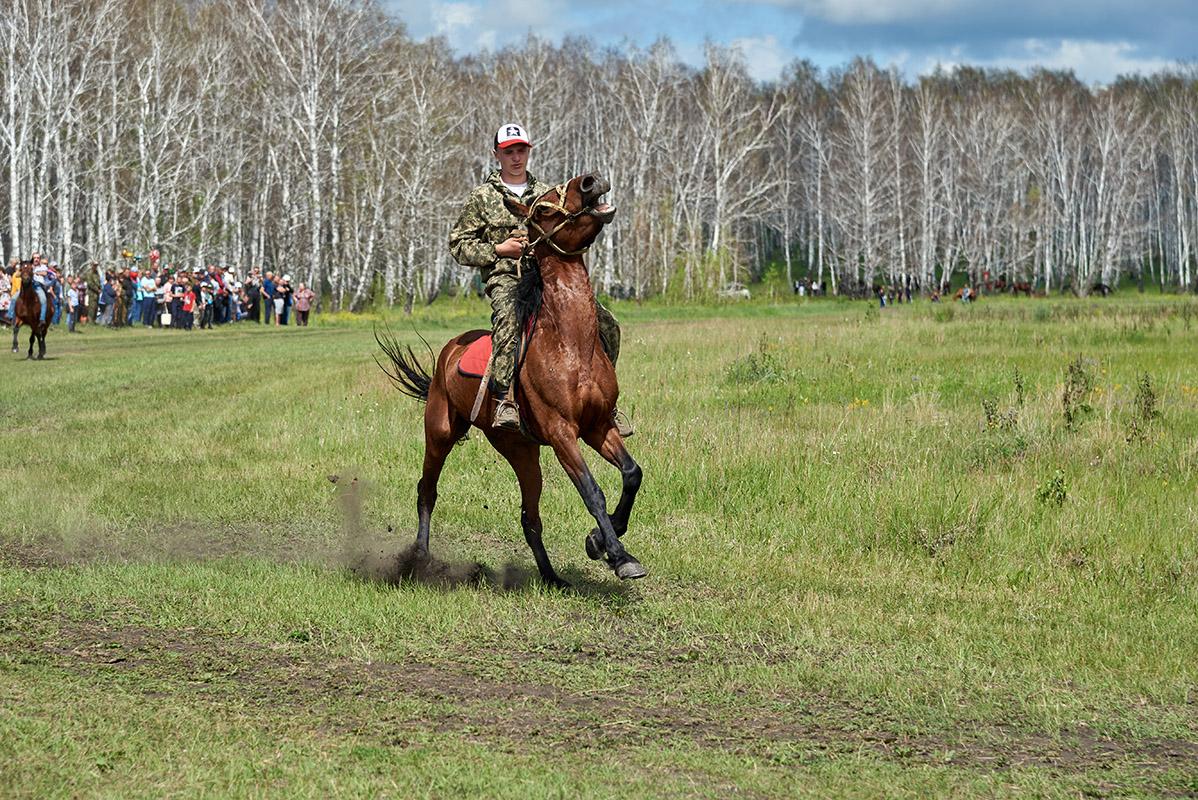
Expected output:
(189, 305)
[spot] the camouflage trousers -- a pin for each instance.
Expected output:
(505, 330)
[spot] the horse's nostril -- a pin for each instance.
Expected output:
(587, 184)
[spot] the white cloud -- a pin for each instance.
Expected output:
(471, 26)
(875, 11)
(1092, 62)
(764, 56)
(1099, 62)
(449, 17)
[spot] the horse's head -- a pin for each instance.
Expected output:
(568, 217)
(26, 271)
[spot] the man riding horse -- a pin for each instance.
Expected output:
(39, 284)
(488, 236)
(567, 382)
(32, 306)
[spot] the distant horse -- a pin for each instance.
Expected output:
(1021, 287)
(28, 311)
(566, 384)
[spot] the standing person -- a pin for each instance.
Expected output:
(283, 290)
(205, 305)
(14, 293)
(148, 287)
(93, 281)
(253, 294)
(129, 293)
(303, 304)
(106, 301)
(6, 292)
(490, 237)
(54, 282)
(137, 297)
(119, 308)
(84, 301)
(268, 297)
(177, 301)
(232, 301)
(72, 304)
(277, 303)
(161, 298)
(188, 305)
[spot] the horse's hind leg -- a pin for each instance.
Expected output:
(41, 346)
(525, 459)
(611, 446)
(16, 326)
(32, 339)
(442, 429)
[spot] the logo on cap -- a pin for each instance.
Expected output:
(510, 134)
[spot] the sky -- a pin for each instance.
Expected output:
(1097, 39)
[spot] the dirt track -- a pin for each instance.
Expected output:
(353, 696)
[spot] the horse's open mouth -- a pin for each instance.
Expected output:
(604, 211)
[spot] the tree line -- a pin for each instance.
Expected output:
(317, 137)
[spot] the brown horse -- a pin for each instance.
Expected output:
(28, 311)
(566, 384)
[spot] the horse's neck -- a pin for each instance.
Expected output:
(569, 301)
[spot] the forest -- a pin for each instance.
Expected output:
(317, 137)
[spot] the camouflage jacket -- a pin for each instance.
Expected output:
(486, 222)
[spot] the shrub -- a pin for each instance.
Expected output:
(1075, 400)
(1144, 409)
(762, 366)
(1053, 491)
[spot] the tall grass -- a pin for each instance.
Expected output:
(893, 507)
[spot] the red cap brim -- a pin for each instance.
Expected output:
(511, 142)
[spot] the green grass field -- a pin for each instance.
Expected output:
(882, 562)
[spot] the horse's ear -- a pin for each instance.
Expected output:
(515, 206)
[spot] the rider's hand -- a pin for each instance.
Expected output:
(513, 246)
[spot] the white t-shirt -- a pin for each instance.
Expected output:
(517, 189)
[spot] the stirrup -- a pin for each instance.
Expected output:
(620, 421)
(507, 416)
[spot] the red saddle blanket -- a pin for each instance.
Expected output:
(473, 362)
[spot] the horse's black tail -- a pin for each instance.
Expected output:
(406, 372)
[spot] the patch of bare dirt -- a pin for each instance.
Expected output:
(358, 697)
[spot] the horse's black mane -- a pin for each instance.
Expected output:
(529, 294)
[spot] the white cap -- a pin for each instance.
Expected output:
(510, 134)
(287, 278)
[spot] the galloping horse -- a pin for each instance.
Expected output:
(28, 311)
(566, 384)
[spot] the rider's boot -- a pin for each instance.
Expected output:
(507, 415)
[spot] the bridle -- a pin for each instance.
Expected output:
(547, 237)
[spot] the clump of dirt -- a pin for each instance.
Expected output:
(373, 557)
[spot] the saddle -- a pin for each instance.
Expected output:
(473, 363)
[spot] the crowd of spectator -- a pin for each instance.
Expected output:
(161, 296)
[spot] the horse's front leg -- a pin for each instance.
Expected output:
(620, 560)
(16, 326)
(32, 339)
(41, 346)
(610, 445)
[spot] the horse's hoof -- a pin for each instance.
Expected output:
(594, 545)
(630, 570)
